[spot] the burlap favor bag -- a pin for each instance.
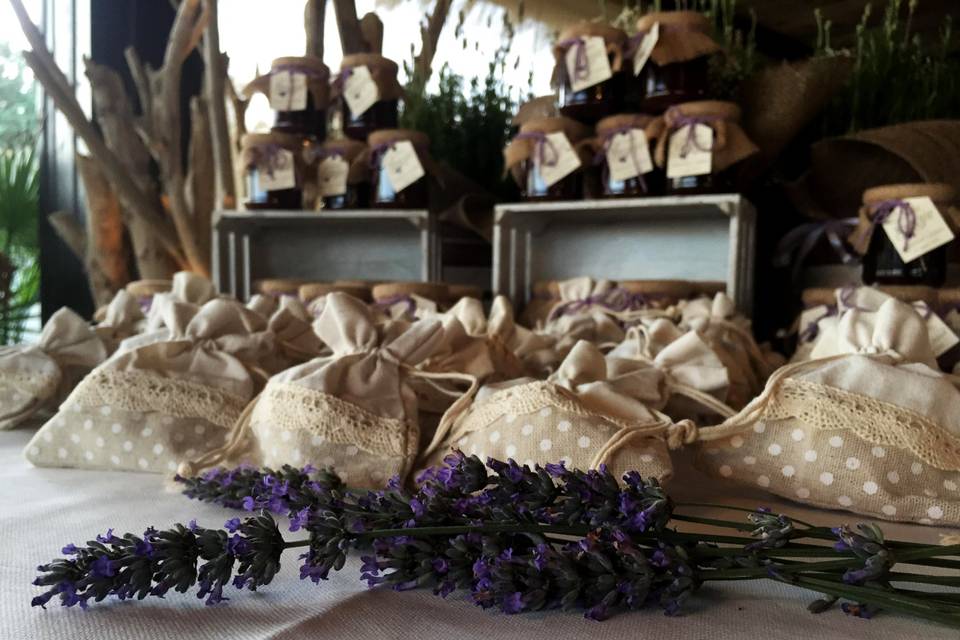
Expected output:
(294, 338)
(34, 378)
(162, 399)
(872, 427)
(588, 413)
(353, 410)
(584, 311)
(121, 319)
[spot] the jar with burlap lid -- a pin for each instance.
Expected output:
(627, 141)
(310, 291)
(383, 182)
(409, 300)
(276, 170)
(342, 174)
(298, 88)
(729, 145)
(881, 261)
(575, 67)
(677, 70)
(277, 287)
(655, 294)
(535, 148)
(381, 114)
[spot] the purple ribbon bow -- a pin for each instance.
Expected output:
(680, 120)
(389, 301)
(797, 244)
(265, 157)
(906, 218)
(542, 142)
(608, 142)
(810, 332)
(581, 66)
(341, 80)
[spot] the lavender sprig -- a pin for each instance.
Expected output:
(518, 539)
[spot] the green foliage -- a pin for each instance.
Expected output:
(468, 121)
(897, 76)
(18, 102)
(19, 265)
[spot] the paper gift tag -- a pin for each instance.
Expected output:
(598, 66)
(402, 165)
(930, 232)
(942, 337)
(332, 174)
(645, 48)
(558, 158)
(628, 155)
(360, 91)
(690, 160)
(298, 92)
(281, 90)
(278, 172)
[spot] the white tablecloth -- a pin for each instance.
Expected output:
(43, 509)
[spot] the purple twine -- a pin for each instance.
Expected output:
(680, 120)
(607, 143)
(389, 301)
(797, 244)
(264, 156)
(540, 148)
(812, 330)
(906, 219)
(581, 67)
(341, 80)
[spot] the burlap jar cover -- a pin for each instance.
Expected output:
(584, 415)
(380, 141)
(34, 378)
(531, 143)
(317, 76)
(872, 428)
(408, 300)
(154, 404)
(730, 144)
(353, 411)
(728, 334)
(262, 152)
(383, 71)
(352, 152)
(610, 127)
(572, 36)
(888, 200)
(684, 35)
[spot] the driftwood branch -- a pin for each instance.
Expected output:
(314, 16)
(71, 232)
(215, 77)
(202, 177)
(351, 38)
(430, 35)
(372, 28)
(106, 255)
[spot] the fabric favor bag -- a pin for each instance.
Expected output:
(161, 398)
(122, 319)
(296, 341)
(353, 410)
(584, 415)
(872, 427)
(583, 312)
(34, 378)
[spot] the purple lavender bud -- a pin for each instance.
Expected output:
(513, 603)
(232, 525)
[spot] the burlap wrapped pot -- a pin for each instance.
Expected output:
(383, 71)
(528, 140)
(614, 39)
(317, 75)
(730, 144)
(943, 195)
(684, 35)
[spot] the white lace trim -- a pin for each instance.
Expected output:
(882, 423)
(142, 392)
(297, 408)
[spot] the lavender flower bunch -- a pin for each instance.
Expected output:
(514, 538)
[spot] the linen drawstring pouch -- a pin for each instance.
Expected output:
(870, 427)
(354, 410)
(314, 294)
(728, 334)
(296, 341)
(588, 413)
(690, 380)
(263, 305)
(121, 319)
(584, 311)
(407, 300)
(186, 288)
(34, 378)
(162, 399)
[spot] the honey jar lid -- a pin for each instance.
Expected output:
(585, 28)
(386, 136)
(285, 140)
(681, 20)
(573, 129)
(684, 36)
(277, 286)
(948, 297)
(669, 289)
(708, 287)
(371, 60)
(911, 293)
(435, 291)
(613, 123)
(937, 191)
(313, 290)
(816, 296)
(148, 287)
(346, 147)
(311, 63)
(728, 111)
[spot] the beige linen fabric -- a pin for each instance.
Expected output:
(586, 414)
(35, 377)
(580, 314)
(163, 398)
(871, 428)
(122, 318)
(353, 410)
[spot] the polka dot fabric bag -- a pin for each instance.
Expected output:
(161, 398)
(34, 378)
(586, 414)
(872, 427)
(353, 410)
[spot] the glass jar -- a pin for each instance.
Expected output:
(881, 262)
(729, 146)
(357, 187)
(382, 114)
(677, 70)
(307, 78)
(608, 130)
(383, 195)
(275, 170)
(590, 104)
(531, 147)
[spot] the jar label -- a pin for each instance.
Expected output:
(587, 63)
(645, 48)
(942, 338)
(332, 174)
(288, 91)
(628, 155)
(360, 91)
(402, 165)
(554, 158)
(929, 231)
(690, 152)
(277, 171)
